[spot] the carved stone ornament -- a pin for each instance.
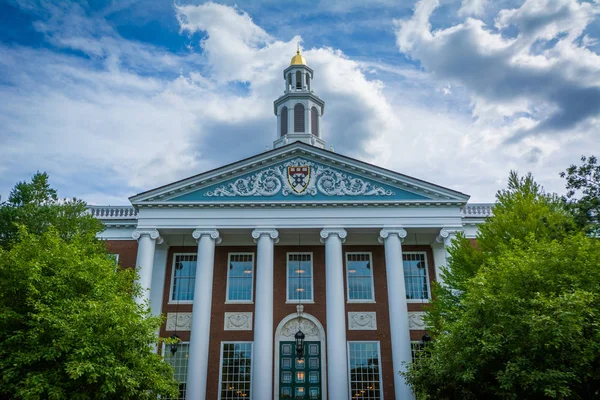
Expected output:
(415, 321)
(238, 321)
(321, 179)
(387, 232)
(272, 233)
(179, 321)
(310, 330)
(152, 233)
(341, 233)
(362, 321)
(446, 235)
(213, 233)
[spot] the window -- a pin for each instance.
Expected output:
(359, 277)
(416, 348)
(183, 277)
(239, 277)
(298, 118)
(179, 362)
(284, 120)
(299, 277)
(114, 257)
(365, 376)
(298, 80)
(314, 121)
(236, 360)
(416, 277)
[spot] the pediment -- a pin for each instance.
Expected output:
(299, 173)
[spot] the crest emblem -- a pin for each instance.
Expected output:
(298, 177)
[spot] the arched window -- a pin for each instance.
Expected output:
(314, 121)
(298, 80)
(298, 118)
(284, 119)
(289, 82)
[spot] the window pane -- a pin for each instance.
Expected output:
(360, 276)
(235, 373)
(300, 277)
(415, 276)
(241, 271)
(184, 277)
(365, 381)
(179, 362)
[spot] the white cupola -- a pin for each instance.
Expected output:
(299, 110)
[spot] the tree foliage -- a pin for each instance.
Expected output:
(518, 315)
(69, 326)
(583, 193)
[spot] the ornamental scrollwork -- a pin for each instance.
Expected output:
(321, 179)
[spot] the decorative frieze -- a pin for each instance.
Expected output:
(362, 321)
(238, 321)
(415, 321)
(179, 321)
(310, 330)
(299, 177)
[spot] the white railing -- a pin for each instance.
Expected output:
(478, 210)
(113, 212)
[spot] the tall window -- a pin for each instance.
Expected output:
(236, 360)
(365, 375)
(314, 121)
(239, 277)
(298, 80)
(183, 277)
(299, 277)
(179, 362)
(298, 118)
(416, 277)
(284, 120)
(359, 276)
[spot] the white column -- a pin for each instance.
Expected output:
(445, 237)
(262, 360)
(147, 239)
(399, 329)
(337, 356)
(200, 334)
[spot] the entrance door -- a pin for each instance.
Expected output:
(300, 379)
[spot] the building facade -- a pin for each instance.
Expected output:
(298, 238)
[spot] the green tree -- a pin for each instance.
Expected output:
(518, 315)
(583, 193)
(69, 326)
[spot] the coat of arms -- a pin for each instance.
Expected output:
(298, 177)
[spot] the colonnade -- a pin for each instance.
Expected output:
(262, 368)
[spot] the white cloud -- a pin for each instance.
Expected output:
(472, 7)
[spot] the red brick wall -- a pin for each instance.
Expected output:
(281, 309)
(126, 249)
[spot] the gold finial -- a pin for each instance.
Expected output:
(298, 59)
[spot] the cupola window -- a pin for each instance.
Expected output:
(314, 121)
(298, 118)
(298, 80)
(284, 120)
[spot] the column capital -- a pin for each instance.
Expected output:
(212, 233)
(270, 232)
(340, 232)
(447, 233)
(153, 234)
(387, 232)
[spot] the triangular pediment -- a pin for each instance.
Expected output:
(299, 173)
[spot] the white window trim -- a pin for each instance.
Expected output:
(164, 352)
(379, 358)
(287, 278)
(221, 363)
(372, 300)
(115, 256)
(251, 301)
(427, 275)
(171, 301)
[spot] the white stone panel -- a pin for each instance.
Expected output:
(415, 321)
(362, 321)
(238, 321)
(179, 321)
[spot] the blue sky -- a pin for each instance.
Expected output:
(112, 98)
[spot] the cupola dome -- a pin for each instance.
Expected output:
(298, 59)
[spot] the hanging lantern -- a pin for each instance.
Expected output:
(299, 344)
(173, 346)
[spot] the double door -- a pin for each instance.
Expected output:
(300, 378)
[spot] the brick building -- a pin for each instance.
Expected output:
(298, 238)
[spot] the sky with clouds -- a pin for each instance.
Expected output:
(113, 98)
